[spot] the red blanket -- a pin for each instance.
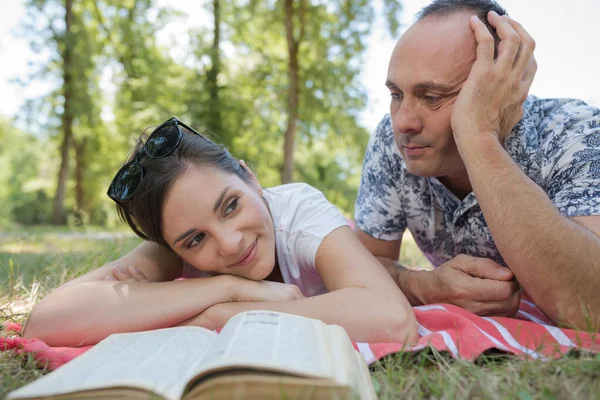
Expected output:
(442, 326)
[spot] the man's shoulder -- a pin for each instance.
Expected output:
(562, 116)
(383, 135)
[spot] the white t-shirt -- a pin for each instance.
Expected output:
(302, 218)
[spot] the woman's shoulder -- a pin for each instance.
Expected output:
(292, 190)
(302, 209)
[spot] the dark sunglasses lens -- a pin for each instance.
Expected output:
(126, 181)
(162, 142)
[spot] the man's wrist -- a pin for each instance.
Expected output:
(478, 148)
(414, 285)
(411, 282)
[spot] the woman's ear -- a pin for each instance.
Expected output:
(253, 178)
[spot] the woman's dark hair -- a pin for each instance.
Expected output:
(143, 212)
(481, 8)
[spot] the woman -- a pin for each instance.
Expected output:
(204, 215)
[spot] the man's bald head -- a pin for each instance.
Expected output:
(481, 8)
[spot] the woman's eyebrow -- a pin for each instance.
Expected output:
(220, 199)
(184, 235)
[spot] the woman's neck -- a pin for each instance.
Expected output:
(275, 275)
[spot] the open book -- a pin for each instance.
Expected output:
(257, 354)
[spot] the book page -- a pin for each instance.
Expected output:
(274, 341)
(160, 361)
(351, 368)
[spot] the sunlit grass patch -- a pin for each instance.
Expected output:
(431, 374)
(34, 263)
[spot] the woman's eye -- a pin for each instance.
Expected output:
(231, 207)
(195, 240)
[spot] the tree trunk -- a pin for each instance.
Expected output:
(287, 172)
(214, 114)
(58, 213)
(80, 165)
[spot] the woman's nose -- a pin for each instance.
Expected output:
(230, 242)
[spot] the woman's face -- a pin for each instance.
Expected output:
(220, 224)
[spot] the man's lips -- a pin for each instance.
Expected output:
(413, 151)
(248, 255)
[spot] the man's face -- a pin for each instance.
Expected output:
(428, 67)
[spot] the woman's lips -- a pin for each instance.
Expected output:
(249, 256)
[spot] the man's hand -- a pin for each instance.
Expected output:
(491, 100)
(479, 285)
(245, 289)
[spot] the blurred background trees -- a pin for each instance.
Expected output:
(277, 81)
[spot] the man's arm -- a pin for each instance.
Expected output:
(388, 252)
(556, 260)
(479, 285)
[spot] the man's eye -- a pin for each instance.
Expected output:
(232, 206)
(396, 96)
(431, 99)
(196, 240)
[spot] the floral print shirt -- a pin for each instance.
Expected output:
(557, 144)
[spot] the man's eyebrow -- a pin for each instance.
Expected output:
(220, 199)
(420, 87)
(438, 87)
(391, 85)
(184, 235)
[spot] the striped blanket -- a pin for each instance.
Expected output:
(442, 326)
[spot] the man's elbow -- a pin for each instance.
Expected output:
(578, 315)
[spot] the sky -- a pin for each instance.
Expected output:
(566, 33)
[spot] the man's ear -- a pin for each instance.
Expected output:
(253, 178)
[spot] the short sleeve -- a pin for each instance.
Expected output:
(309, 218)
(573, 169)
(378, 210)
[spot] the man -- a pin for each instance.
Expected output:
(483, 176)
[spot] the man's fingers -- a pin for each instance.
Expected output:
(489, 290)
(529, 74)
(506, 308)
(510, 41)
(526, 48)
(484, 268)
(485, 41)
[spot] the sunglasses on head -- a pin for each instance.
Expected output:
(161, 142)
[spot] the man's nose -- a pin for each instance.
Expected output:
(406, 118)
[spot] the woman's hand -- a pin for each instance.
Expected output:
(126, 274)
(245, 290)
(265, 291)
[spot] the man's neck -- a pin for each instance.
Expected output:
(459, 185)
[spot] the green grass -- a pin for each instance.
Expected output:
(32, 263)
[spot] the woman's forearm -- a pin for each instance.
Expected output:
(87, 312)
(367, 316)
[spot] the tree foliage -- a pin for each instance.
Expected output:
(253, 72)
